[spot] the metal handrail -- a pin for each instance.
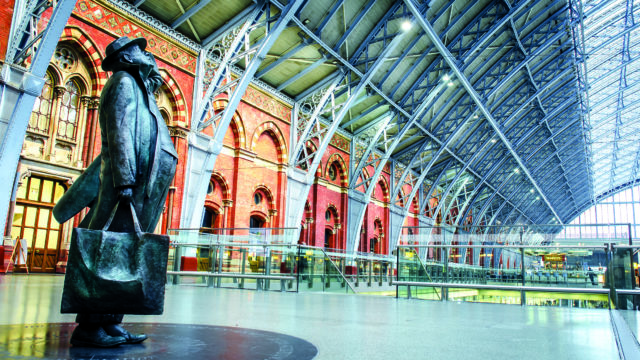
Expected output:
(510, 226)
(238, 244)
(509, 287)
(505, 246)
(344, 278)
(208, 229)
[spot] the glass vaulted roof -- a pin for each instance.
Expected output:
(609, 79)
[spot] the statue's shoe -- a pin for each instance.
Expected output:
(118, 331)
(94, 337)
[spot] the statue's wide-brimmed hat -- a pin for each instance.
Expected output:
(118, 45)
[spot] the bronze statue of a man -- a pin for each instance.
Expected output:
(137, 164)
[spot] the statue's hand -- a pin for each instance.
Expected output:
(125, 193)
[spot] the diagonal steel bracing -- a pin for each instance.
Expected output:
(203, 149)
(22, 82)
(300, 181)
(474, 95)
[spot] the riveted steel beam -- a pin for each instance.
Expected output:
(474, 95)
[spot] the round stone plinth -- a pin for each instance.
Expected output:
(166, 341)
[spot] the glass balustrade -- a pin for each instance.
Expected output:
(512, 265)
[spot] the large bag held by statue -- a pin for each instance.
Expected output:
(115, 273)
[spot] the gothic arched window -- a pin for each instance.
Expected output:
(39, 121)
(67, 123)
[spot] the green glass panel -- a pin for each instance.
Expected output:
(30, 219)
(22, 190)
(70, 130)
(41, 239)
(47, 191)
(44, 106)
(34, 189)
(54, 223)
(28, 235)
(59, 192)
(53, 240)
(18, 213)
(43, 219)
(64, 112)
(15, 232)
(43, 123)
(33, 120)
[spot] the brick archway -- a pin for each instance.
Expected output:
(274, 130)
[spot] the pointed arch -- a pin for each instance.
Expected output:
(270, 198)
(219, 178)
(90, 51)
(334, 212)
(178, 105)
(385, 188)
(342, 168)
(236, 125)
(274, 130)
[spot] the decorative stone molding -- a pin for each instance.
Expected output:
(91, 103)
(58, 91)
(155, 24)
(178, 132)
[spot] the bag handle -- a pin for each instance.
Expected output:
(136, 223)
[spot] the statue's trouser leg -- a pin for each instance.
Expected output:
(96, 319)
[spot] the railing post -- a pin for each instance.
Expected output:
(298, 268)
(445, 291)
(267, 266)
(176, 264)
(632, 273)
(523, 295)
(609, 279)
(243, 263)
(220, 252)
(397, 269)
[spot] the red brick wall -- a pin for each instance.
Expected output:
(257, 144)
(6, 12)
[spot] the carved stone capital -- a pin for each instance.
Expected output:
(177, 132)
(90, 102)
(58, 91)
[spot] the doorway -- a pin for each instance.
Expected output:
(329, 239)
(33, 221)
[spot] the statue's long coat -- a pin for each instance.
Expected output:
(136, 151)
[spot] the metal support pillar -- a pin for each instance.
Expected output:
(19, 88)
(203, 150)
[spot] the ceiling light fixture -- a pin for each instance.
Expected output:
(406, 25)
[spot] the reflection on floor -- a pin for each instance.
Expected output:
(355, 327)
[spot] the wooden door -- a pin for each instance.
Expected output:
(33, 220)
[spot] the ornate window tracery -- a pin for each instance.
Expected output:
(67, 123)
(40, 116)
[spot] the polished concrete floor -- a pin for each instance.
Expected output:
(355, 327)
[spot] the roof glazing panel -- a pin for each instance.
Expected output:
(611, 41)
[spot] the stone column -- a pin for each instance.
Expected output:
(309, 221)
(49, 150)
(226, 205)
(90, 116)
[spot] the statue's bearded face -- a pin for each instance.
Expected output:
(135, 55)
